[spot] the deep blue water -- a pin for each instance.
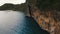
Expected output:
(14, 22)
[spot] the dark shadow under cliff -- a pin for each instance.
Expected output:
(32, 25)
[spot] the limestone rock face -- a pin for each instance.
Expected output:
(48, 19)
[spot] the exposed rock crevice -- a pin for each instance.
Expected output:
(47, 18)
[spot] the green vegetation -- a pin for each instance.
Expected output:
(48, 4)
(8, 6)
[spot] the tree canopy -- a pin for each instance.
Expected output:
(48, 4)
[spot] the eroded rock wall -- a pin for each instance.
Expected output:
(48, 20)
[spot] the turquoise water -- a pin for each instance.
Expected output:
(13, 22)
(9, 20)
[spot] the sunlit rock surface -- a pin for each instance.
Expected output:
(48, 20)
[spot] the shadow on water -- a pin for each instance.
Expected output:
(29, 26)
(17, 23)
(34, 27)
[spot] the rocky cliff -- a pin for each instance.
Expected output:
(46, 13)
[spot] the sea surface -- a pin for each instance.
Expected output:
(15, 22)
(9, 20)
